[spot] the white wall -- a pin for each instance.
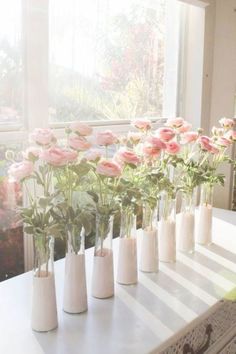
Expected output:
(224, 79)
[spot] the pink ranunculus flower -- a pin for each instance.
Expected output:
(43, 136)
(184, 128)
(231, 135)
(205, 143)
(127, 156)
(32, 153)
(165, 134)
(173, 148)
(78, 143)
(156, 142)
(106, 138)
(134, 137)
(93, 155)
(213, 149)
(150, 151)
(189, 137)
(81, 128)
(226, 123)
(175, 122)
(223, 142)
(142, 124)
(20, 170)
(56, 156)
(108, 168)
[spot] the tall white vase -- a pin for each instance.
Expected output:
(103, 273)
(75, 290)
(167, 229)
(44, 307)
(204, 225)
(127, 259)
(149, 251)
(185, 230)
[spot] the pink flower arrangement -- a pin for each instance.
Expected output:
(189, 137)
(32, 153)
(78, 143)
(175, 122)
(127, 156)
(20, 170)
(106, 138)
(56, 156)
(81, 128)
(142, 124)
(173, 148)
(108, 168)
(165, 134)
(43, 137)
(226, 123)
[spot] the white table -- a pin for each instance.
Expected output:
(139, 318)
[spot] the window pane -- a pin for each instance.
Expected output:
(11, 232)
(107, 59)
(11, 81)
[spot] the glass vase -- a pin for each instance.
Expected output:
(103, 274)
(185, 230)
(127, 258)
(167, 227)
(75, 289)
(44, 309)
(149, 243)
(204, 225)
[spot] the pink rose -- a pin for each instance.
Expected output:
(207, 145)
(20, 170)
(150, 150)
(127, 156)
(134, 137)
(32, 153)
(173, 148)
(221, 141)
(189, 137)
(93, 155)
(43, 136)
(165, 134)
(184, 128)
(108, 168)
(175, 122)
(231, 135)
(56, 156)
(226, 123)
(106, 138)
(79, 143)
(81, 128)
(156, 142)
(142, 124)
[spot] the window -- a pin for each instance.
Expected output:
(11, 79)
(108, 58)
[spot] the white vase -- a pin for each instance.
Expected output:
(103, 275)
(44, 309)
(149, 251)
(75, 290)
(186, 232)
(167, 241)
(127, 261)
(204, 226)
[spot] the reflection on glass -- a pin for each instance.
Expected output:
(11, 232)
(11, 82)
(106, 59)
